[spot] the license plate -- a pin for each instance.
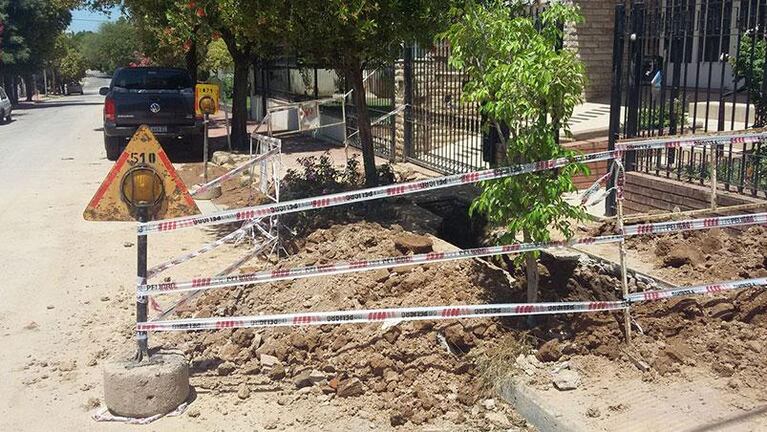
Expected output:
(158, 129)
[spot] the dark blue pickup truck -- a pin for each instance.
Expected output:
(162, 98)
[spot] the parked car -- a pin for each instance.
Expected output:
(162, 98)
(73, 87)
(5, 106)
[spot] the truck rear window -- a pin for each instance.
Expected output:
(152, 79)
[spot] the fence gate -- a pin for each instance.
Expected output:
(380, 100)
(692, 66)
(441, 132)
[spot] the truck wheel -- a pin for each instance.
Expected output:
(196, 146)
(113, 147)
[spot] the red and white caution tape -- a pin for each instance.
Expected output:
(696, 224)
(677, 142)
(594, 188)
(233, 172)
(382, 315)
(365, 194)
(361, 265)
(233, 236)
(697, 289)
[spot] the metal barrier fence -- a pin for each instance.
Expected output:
(441, 132)
(692, 66)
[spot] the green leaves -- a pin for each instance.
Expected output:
(523, 80)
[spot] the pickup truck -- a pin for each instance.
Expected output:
(162, 98)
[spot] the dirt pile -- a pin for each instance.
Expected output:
(415, 373)
(412, 372)
(695, 257)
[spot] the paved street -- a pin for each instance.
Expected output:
(66, 295)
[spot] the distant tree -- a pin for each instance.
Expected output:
(354, 35)
(73, 66)
(116, 44)
(218, 57)
(30, 29)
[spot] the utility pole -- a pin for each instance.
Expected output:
(45, 82)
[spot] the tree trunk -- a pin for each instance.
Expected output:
(12, 89)
(191, 61)
(531, 270)
(239, 102)
(354, 75)
(29, 87)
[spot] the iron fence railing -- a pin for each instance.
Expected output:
(740, 168)
(691, 66)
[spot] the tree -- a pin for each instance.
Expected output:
(524, 82)
(73, 66)
(30, 29)
(354, 35)
(218, 57)
(749, 66)
(116, 44)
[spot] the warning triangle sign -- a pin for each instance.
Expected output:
(143, 149)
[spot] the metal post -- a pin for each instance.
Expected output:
(622, 249)
(205, 149)
(142, 352)
(635, 78)
(408, 90)
(316, 85)
(713, 176)
(45, 82)
(228, 128)
(615, 97)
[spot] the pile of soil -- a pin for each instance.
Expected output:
(233, 193)
(415, 373)
(412, 372)
(715, 255)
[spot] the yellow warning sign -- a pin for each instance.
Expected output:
(142, 163)
(206, 98)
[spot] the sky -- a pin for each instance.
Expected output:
(88, 20)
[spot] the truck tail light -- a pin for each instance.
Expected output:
(110, 113)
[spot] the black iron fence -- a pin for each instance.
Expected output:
(441, 132)
(692, 66)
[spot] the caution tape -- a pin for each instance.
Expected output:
(382, 315)
(361, 265)
(676, 142)
(695, 224)
(393, 262)
(439, 312)
(697, 289)
(233, 172)
(366, 194)
(594, 188)
(234, 235)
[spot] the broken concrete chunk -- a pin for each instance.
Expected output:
(567, 379)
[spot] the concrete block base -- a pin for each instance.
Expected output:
(147, 388)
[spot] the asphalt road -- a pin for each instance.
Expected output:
(66, 296)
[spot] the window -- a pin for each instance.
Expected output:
(152, 79)
(714, 23)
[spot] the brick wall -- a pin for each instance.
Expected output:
(593, 39)
(645, 193)
(598, 169)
